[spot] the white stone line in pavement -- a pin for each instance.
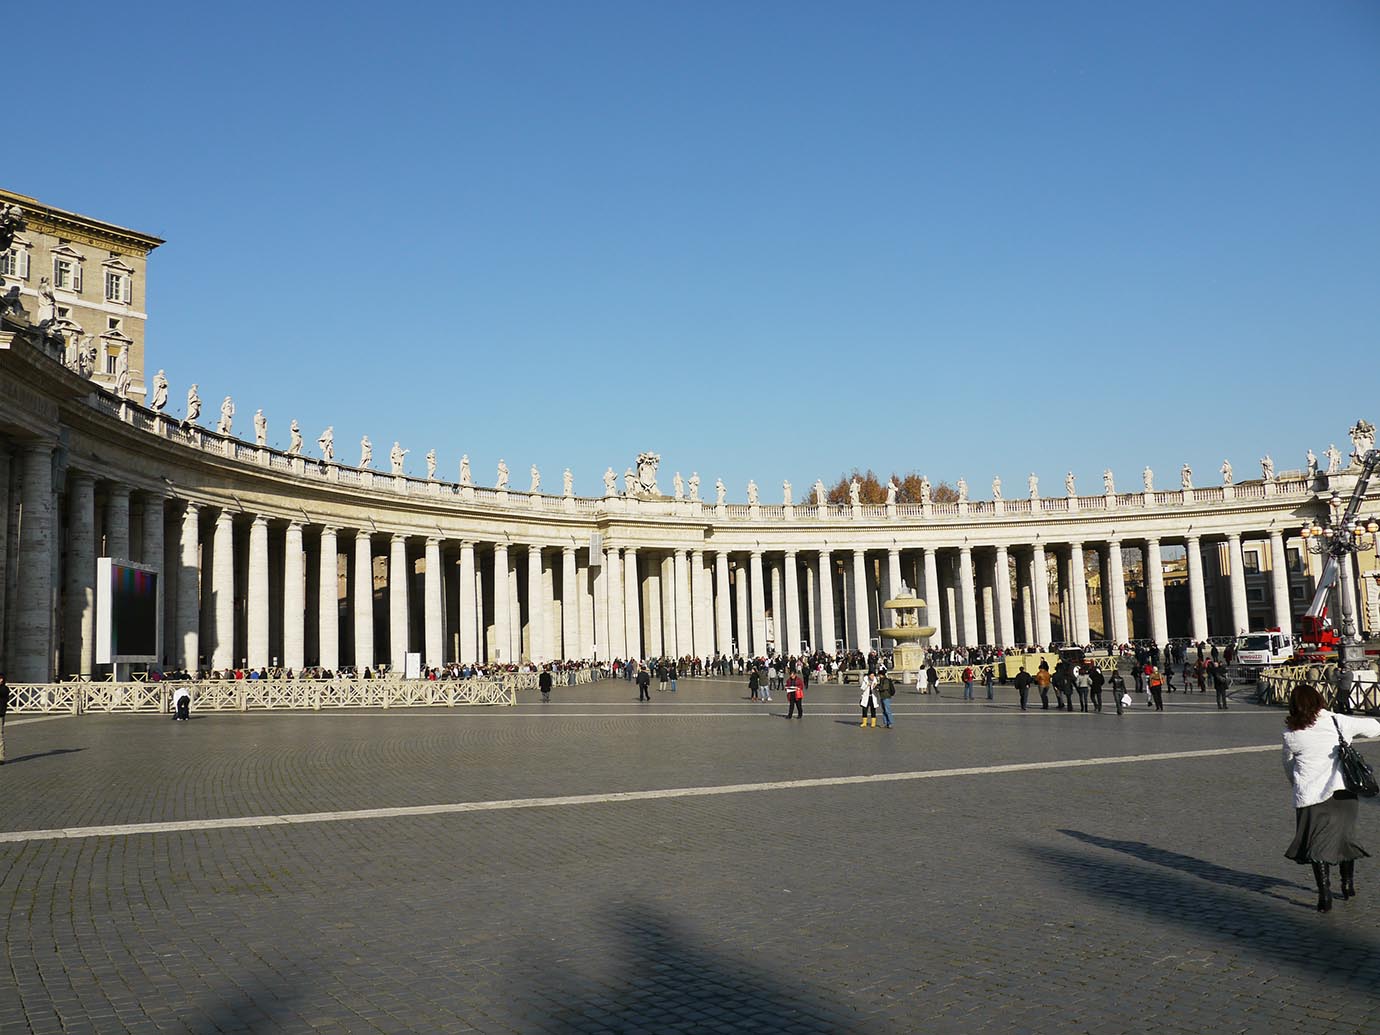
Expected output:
(182, 826)
(38, 718)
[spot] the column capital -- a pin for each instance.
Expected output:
(398, 537)
(294, 523)
(433, 540)
(568, 549)
(260, 520)
(1233, 537)
(327, 528)
(224, 517)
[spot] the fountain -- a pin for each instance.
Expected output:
(908, 634)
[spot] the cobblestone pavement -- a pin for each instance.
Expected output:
(1149, 894)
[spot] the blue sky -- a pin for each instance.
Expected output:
(766, 240)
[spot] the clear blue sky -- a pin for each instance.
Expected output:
(767, 240)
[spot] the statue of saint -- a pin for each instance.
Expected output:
(962, 490)
(752, 493)
(610, 482)
(294, 439)
(160, 392)
(1267, 468)
(11, 224)
(996, 488)
(720, 493)
(502, 482)
(395, 457)
(1147, 479)
(786, 493)
(1312, 464)
(629, 482)
(260, 428)
(227, 416)
(1186, 478)
(821, 497)
(695, 486)
(122, 376)
(366, 452)
(1033, 484)
(536, 481)
(567, 483)
(855, 492)
(678, 486)
(1069, 489)
(327, 444)
(1334, 459)
(924, 488)
(86, 362)
(1226, 472)
(1108, 485)
(47, 303)
(891, 490)
(465, 477)
(193, 406)
(431, 465)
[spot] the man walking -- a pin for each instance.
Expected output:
(644, 683)
(1023, 682)
(886, 690)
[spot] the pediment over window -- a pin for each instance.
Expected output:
(118, 264)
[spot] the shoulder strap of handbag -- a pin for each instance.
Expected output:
(1340, 738)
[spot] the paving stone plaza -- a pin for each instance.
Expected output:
(693, 864)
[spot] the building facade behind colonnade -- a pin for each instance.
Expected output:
(280, 558)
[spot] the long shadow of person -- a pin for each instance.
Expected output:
(43, 754)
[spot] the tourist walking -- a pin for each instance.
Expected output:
(795, 696)
(1042, 681)
(868, 700)
(1023, 682)
(1221, 683)
(932, 678)
(1324, 810)
(1119, 696)
(886, 690)
(644, 683)
(753, 683)
(1095, 683)
(967, 683)
(1156, 684)
(544, 684)
(1083, 684)
(987, 680)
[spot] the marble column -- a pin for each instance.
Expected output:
(987, 592)
(1240, 615)
(598, 633)
(965, 586)
(1154, 589)
(399, 572)
(790, 643)
(31, 659)
(223, 592)
(584, 582)
(572, 647)
(152, 532)
(469, 618)
(778, 617)
(701, 611)
(1080, 594)
(1116, 590)
(256, 615)
(500, 651)
(893, 577)
(1197, 598)
(723, 605)
(515, 650)
(810, 632)
(188, 650)
(933, 609)
(758, 588)
(1279, 582)
(858, 602)
(294, 599)
(1024, 575)
(364, 602)
(740, 611)
(617, 643)
(1001, 585)
(434, 637)
(632, 602)
(663, 622)
(117, 523)
(328, 601)
(1039, 569)
(79, 618)
(828, 627)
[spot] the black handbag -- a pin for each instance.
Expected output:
(1357, 774)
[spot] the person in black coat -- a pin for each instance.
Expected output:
(544, 684)
(1023, 681)
(644, 684)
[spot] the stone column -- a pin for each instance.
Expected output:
(793, 636)
(188, 650)
(1240, 615)
(223, 591)
(965, 586)
(570, 606)
(759, 603)
(1154, 589)
(701, 612)
(933, 610)
(723, 604)
(1279, 582)
(740, 611)
(328, 601)
(1080, 594)
(294, 599)
(500, 650)
(398, 579)
(1197, 599)
(987, 592)
(117, 523)
(862, 634)
(811, 631)
(1116, 590)
(1039, 570)
(31, 654)
(617, 644)
(585, 595)
(778, 617)
(364, 602)
(1024, 575)
(79, 618)
(256, 617)
(1001, 585)
(893, 577)
(680, 575)
(434, 621)
(469, 618)
(632, 603)
(152, 532)
(514, 612)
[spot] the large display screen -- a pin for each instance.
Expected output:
(127, 611)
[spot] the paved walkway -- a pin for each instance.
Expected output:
(692, 864)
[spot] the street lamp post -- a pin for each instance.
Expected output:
(1341, 538)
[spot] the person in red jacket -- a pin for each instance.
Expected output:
(795, 694)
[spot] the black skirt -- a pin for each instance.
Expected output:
(1326, 832)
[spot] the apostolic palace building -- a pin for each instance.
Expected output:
(294, 559)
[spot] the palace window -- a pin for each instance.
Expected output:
(15, 262)
(117, 286)
(1251, 560)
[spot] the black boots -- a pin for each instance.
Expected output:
(1348, 874)
(1322, 873)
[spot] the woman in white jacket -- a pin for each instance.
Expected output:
(1324, 810)
(868, 700)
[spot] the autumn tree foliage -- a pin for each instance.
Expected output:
(874, 489)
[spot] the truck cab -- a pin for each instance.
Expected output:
(1258, 650)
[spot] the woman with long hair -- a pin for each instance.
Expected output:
(1324, 810)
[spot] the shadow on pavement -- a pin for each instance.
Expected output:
(43, 754)
(1208, 871)
(658, 979)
